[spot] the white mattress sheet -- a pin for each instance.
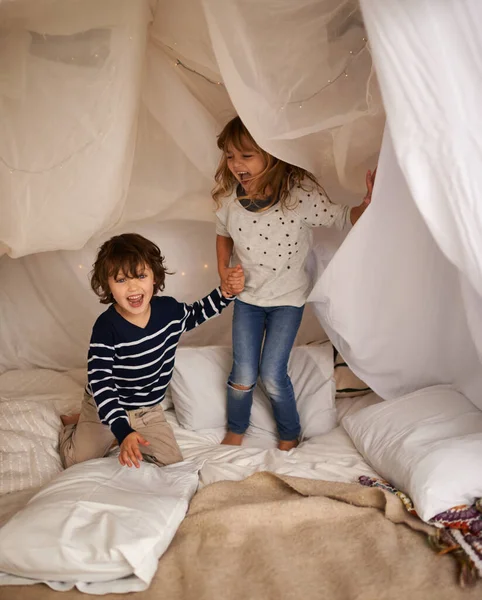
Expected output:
(45, 394)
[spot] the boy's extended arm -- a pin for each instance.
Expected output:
(208, 307)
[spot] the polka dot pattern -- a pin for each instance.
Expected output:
(281, 238)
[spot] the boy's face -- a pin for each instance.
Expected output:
(133, 294)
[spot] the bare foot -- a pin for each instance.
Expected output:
(69, 419)
(287, 445)
(233, 439)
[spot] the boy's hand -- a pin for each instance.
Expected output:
(129, 450)
(232, 281)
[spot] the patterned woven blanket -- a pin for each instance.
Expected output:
(459, 531)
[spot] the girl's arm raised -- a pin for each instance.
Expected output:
(317, 210)
(357, 211)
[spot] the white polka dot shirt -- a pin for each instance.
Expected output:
(273, 245)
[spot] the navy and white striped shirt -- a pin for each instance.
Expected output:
(130, 367)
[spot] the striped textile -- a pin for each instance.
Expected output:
(130, 367)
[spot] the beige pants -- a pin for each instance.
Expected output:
(90, 438)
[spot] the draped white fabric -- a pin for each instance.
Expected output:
(101, 125)
(393, 304)
(70, 81)
(429, 60)
(110, 111)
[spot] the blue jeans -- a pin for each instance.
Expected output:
(278, 325)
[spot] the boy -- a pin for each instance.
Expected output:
(131, 356)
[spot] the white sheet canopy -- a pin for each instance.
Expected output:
(110, 111)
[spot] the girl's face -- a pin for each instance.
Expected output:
(245, 165)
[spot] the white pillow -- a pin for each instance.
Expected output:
(199, 389)
(311, 371)
(348, 385)
(198, 386)
(428, 444)
(28, 444)
(99, 526)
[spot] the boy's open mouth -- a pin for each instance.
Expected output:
(135, 301)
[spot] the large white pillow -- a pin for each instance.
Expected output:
(99, 526)
(198, 386)
(29, 439)
(311, 371)
(199, 389)
(428, 444)
(31, 401)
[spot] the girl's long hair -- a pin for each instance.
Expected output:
(277, 179)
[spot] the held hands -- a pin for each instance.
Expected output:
(129, 450)
(232, 280)
(357, 211)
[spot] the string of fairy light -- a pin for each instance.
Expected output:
(353, 55)
(178, 63)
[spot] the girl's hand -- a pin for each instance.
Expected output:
(232, 281)
(370, 181)
(129, 450)
(357, 211)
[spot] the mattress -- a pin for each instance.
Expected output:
(32, 400)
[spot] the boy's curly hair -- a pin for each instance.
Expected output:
(129, 253)
(277, 179)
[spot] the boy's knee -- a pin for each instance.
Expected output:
(164, 460)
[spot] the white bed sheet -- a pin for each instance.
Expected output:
(46, 394)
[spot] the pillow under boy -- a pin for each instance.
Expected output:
(427, 444)
(199, 389)
(99, 526)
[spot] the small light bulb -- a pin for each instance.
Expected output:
(183, 273)
(205, 266)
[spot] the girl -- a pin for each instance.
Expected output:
(266, 209)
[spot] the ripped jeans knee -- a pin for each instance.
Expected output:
(240, 400)
(241, 388)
